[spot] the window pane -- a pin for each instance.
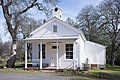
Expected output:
(71, 57)
(39, 45)
(69, 51)
(54, 47)
(71, 45)
(43, 51)
(39, 55)
(43, 45)
(43, 55)
(67, 57)
(54, 28)
(67, 45)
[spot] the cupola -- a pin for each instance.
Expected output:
(57, 12)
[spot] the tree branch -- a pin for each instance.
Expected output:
(117, 47)
(6, 16)
(26, 9)
(9, 2)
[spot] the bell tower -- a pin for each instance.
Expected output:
(57, 12)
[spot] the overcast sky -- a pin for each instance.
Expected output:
(70, 8)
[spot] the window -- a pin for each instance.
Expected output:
(69, 51)
(43, 51)
(55, 47)
(54, 28)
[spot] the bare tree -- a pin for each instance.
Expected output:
(1, 47)
(47, 6)
(89, 20)
(72, 22)
(12, 11)
(102, 24)
(5, 50)
(26, 26)
(110, 11)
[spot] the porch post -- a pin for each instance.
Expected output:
(25, 55)
(40, 55)
(74, 52)
(57, 56)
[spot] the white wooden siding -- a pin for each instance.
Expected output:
(62, 31)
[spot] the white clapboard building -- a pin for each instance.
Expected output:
(62, 46)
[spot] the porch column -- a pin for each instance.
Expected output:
(74, 54)
(40, 55)
(74, 61)
(57, 56)
(25, 55)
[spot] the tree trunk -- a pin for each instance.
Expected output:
(113, 55)
(11, 61)
(113, 59)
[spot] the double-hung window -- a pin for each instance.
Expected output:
(43, 51)
(69, 51)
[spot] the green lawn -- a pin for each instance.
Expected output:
(109, 69)
(92, 76)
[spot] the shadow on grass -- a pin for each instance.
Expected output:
(22, 65)
(17, 65)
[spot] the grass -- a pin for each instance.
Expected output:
(92, 76)
(109, 69)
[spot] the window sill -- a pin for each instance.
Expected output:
(68, 59)
(54, 32)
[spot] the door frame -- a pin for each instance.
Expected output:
(53, 58)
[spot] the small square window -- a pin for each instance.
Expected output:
(54, 47)
(54, 28)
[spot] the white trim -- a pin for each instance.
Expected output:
(40, 55)
(52, 38)
(74, 54)
(95, 44)
(40, 28)
(57, 56)
(65, 52)
(66, 24)
(25, 54)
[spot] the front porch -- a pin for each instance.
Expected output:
(51, 54)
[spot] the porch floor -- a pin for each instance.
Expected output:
(50, 67)
(44, 68)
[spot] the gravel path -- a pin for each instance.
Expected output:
(32, 76)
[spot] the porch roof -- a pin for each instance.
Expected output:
(52, 38)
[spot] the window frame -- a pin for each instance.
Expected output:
(55, 47)
(69, 51)
(43, 51)
(55, 28)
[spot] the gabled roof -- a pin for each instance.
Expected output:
(61, 22)
(96, 44)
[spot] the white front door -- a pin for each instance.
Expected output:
(53, 57)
